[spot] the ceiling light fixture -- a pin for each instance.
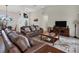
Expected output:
(6, 11)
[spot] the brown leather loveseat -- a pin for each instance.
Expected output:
(31, 31)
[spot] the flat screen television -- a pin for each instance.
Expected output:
(60, 23)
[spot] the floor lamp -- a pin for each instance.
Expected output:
(75, 26)
(75, 32)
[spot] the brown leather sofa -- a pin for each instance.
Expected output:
(24, 44)
(31, 31)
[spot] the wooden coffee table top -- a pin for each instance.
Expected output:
(47, 33)
(48, 49)
(54, 35)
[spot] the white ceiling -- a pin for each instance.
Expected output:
(28, 8)
(18, 8)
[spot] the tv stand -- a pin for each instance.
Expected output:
(64, 31)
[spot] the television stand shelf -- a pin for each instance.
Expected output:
(64, 31)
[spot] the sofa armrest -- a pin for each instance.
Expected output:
(35, 46)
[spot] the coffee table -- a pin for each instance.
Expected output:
(51, 37)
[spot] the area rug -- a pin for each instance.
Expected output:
(67, 44)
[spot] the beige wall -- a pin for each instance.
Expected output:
(55, 13)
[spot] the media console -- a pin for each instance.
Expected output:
(64, 31)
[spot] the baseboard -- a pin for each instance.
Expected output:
(74, 37)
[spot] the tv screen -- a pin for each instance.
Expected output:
(60, 23)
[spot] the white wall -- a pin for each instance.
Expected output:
(42, 19)
(22, 22)
(55, 13)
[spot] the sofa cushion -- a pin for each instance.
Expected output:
(13, 36)
(26, 40)
(27, 29)
(22, 44)
(35, 46)
(37, 27)
(32, 28)
(7, 30)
